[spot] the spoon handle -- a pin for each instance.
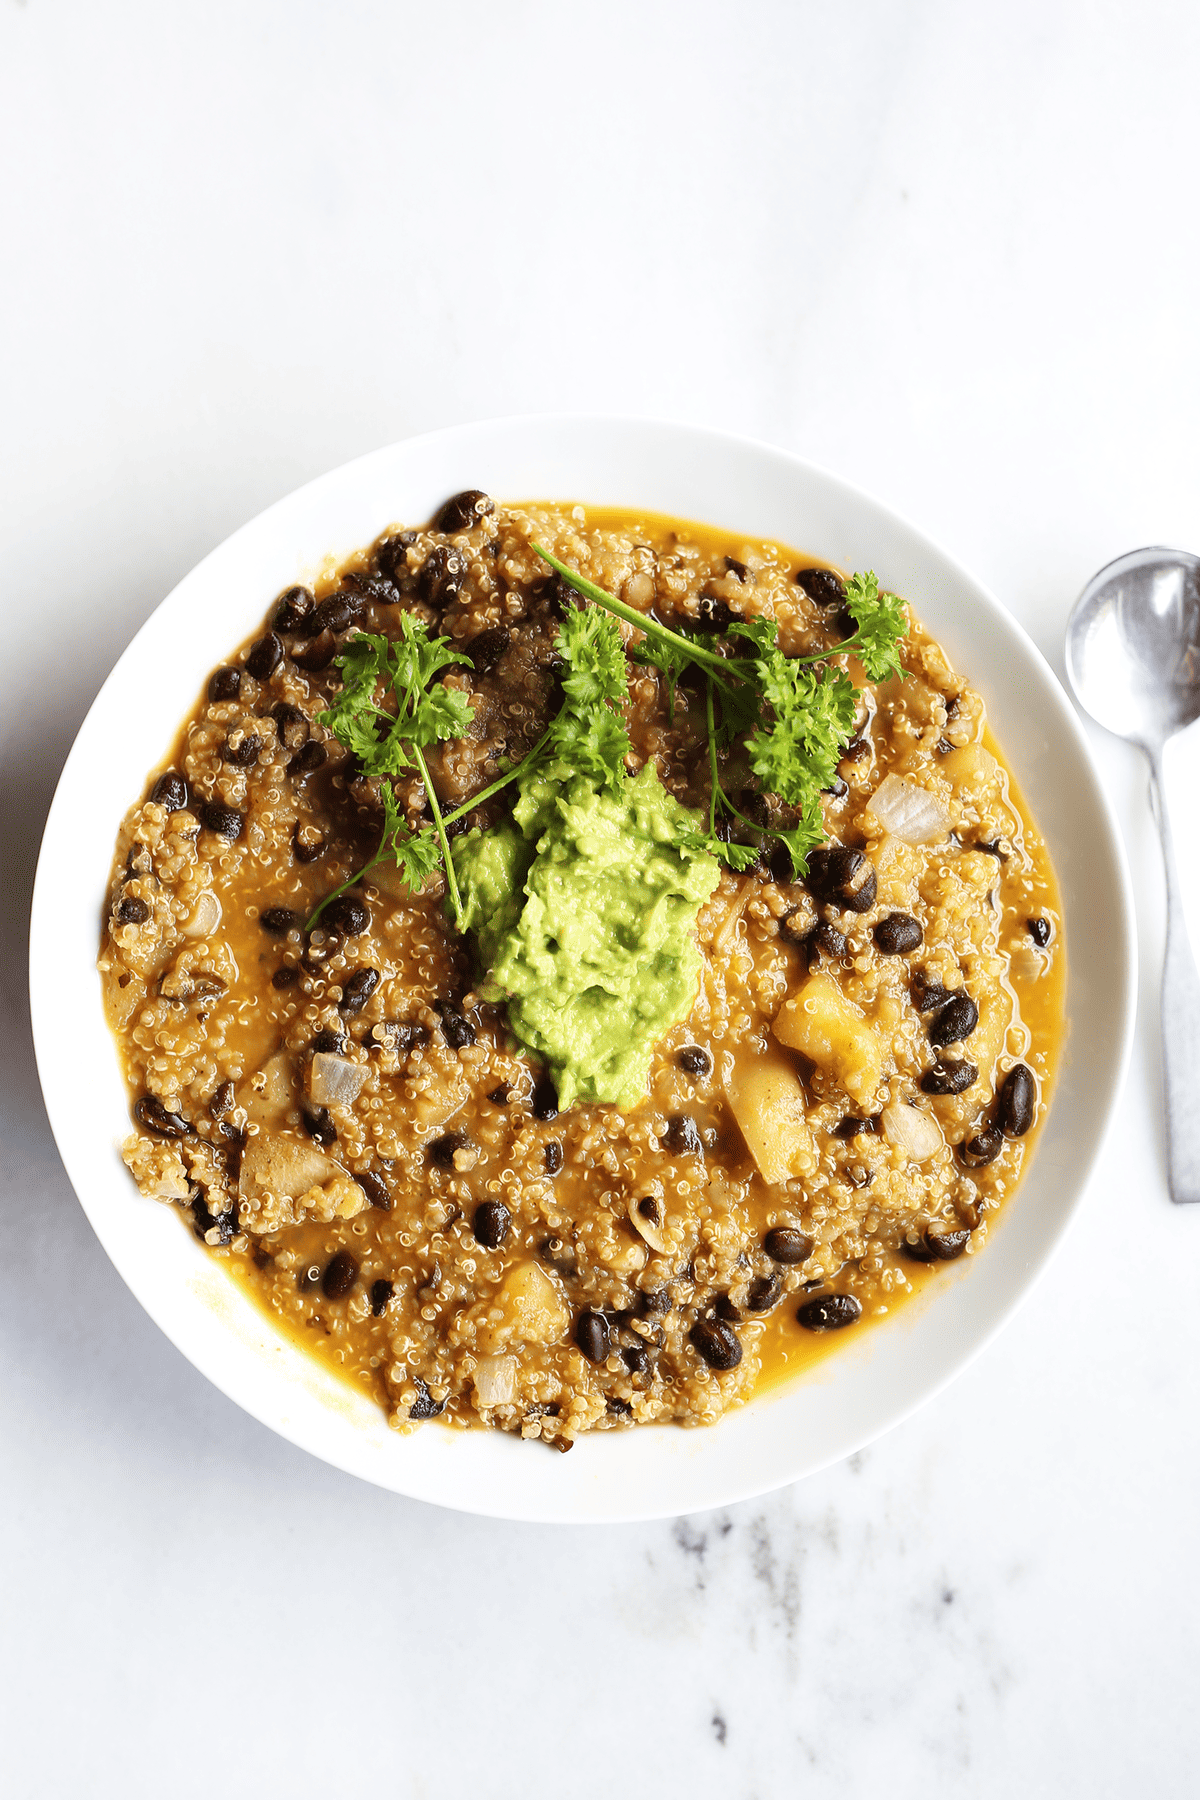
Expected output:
(1180, 1020)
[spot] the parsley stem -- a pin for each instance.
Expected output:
(352, 881)
(503, 781)
(439, 825)
(717, 667)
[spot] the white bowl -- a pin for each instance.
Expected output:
(867, 1384)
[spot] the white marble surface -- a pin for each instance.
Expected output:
(948, 251)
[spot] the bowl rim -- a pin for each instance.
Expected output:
(503, 1500)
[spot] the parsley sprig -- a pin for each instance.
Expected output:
(794, 715)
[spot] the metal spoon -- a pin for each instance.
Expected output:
(1133, 656)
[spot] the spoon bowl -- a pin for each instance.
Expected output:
(1133, 645)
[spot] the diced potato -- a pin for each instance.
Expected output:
(534, 1312)
(268, 1093)
(971, 767)
(283, 1165)
(767, 1100)
(823, 1025)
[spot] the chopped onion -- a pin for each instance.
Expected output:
(911, 1130)
(334, 1082)
(909, 811)
(495, 1381)
(205, 916)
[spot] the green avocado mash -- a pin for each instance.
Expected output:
(582, 911)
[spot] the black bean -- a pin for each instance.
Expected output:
(242, 754)
(381, 1293)
(486, 650)
(400, 1035)
(654, 1303)
(781, 867)
(286, 976)
(765, 1291)
(376, 1190)
(836, 876)
(500, 1096)
(1017, 1102)
(491, 1223)
(593, 1336)
(784, 1244)
(205, 1220)
(319, 1125)
(457, 1030)
(308, 759)
(224, 684)
(850, 1127)
(717, 1343)
(222, 819)
(734, 567)
(265, 657)
(694, 1061)
(150, 1113)
(724, 1308)
(552, 1156)
(330, 1043)
(857, 750)
(713, 614)
(132, 911)
(294, 608)
(946, 1245)
(682, 1136)
(291, 726)
(823, 940)
(829, 1312)
(898, 934)
(993, 849)
(347, 914)
(380, 589)
(544, 1099)
(442, 576)
(221, 1101)
(357, 990)
(340, 1275)
(318, 655)
(279, 920)
(559, 1254)
(337, 614)
(1039, 931)
(928, 996)
(636, 1358)
(949, 1075)
(978, 1151)
(425, 1406)
(822, 586)
(390, 553)
(954, 1021)
(170, 790)
(441, 1151)
(462, 511)
(618, 1408)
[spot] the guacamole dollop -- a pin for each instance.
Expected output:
(582, 911)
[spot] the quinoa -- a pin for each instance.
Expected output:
(351, 1129)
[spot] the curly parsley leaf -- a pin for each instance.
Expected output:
(881, 624)
(796, 753)
(589, 732)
